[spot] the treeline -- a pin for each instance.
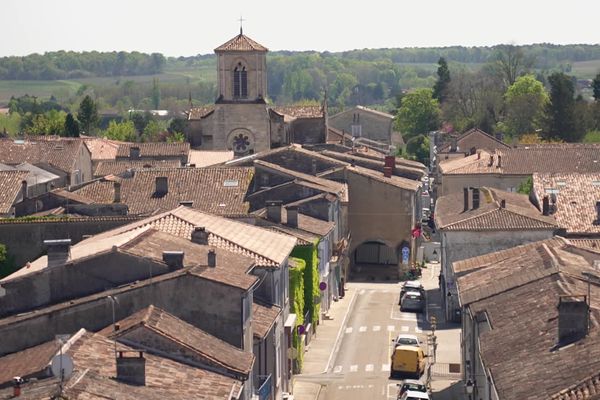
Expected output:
(73, 65)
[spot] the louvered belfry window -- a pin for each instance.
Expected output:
(240, 82)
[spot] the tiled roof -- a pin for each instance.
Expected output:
(200, 112)
(240, 43)
(336, 136)
(216, 190)
(587, 389)
(118, 167)
(401, 168)
(577, 198)
(35, 176)
(207, 158)
(315, 227)
(552, 158)
(155, 149)
(204, 347)
(263, 318)
(99, 191)
(300, 111)
(28, 362)
(476, 138)
(588, 243)
(10, 188)
(269, 249)
(102, 149)
(59, 153)
(397, 181)
(517, 214)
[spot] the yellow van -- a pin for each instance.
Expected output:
(407, 360)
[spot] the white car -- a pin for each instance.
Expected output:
(414, 395)
(407, 340)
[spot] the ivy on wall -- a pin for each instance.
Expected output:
(297, 267)
(311, 279)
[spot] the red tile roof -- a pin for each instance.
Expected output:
(118, 167)
(59, 153)
(102, 149)
(300, 111)
(200, 112)
(240, 43)
(476, 138)
(155, 149)
(263, 318)
(10, 188)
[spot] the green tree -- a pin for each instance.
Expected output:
(124, 131)
(560, 111)
(10, 123)
(418, 148)
(177, 125)
(418, 114)
(176, 137)
(88, 115)
(153, 130)
(155, 94)
(441, 85)
(511, 62)
(525, 101)
(526, 186)
(596, 87)
(7, 262)
(71, 126)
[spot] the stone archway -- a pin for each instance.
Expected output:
(374, 260)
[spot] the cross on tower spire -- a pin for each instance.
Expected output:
(241, 25)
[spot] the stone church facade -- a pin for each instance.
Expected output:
(241, 120)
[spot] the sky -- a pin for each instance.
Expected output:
(190, 27)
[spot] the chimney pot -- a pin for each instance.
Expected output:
(117, 189)
(59, 251)
(475, 198)
(200, 235)
(292, 216)
(130, 369)
(274, 210)
(134, 152)
(546, 205)
(573, 319)
(24, 189)
(212, 258)
(162, 185)
(466, 199)
(387, 172)
(174, 259)
(479, 155)
(502, 203)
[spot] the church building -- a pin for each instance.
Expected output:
(241, 120)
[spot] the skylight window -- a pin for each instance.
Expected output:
(231, 183)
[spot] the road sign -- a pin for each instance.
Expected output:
(405, 254)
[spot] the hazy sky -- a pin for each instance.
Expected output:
(186, 27)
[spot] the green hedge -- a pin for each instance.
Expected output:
(297, 307)
(7, 262)
(311, 279)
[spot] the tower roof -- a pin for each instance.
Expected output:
(241, 43)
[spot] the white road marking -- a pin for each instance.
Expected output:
(362, 329)
(369, 368)
(362, 291)
(385, 367)
(391, 328)
(349, 330)
(338, 369)
(404, 329)
(418, 330)
(353, 368)
(376, 328)
(340, 387)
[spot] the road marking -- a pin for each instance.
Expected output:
(362, 291)
(404, 329)
(369, 368)
(340, 387)
(362, 329)
(353, 368)
(376, 328)
(337, 369)
(349, 330)
(385, 367)
(391, 328)
(418, 330)
(336, 346)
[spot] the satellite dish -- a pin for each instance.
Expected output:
(62, 366)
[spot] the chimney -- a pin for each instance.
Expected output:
(186, 203)
(24, 189)
(212, 258)
(390, 161)
(479, 155)
(59, 251)
(475, 198)
(134, 152)
(200, 236)
(17, 382)
(274, 210)
(117, 188)
(131, 369)
(292, 216)
(502, 203)
(598, 212)
(466, 199)
(313, 167)
(162, 185)
(499, 165)
(546, 205)
(453, 145)
(387, 172)
(174, 259)
(573, 315)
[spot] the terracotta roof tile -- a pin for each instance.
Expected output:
(263, 318)
(10, 188)
(397, 181)
(402, 169)
(30, 362)
(300, 111)
(102, 149)
(200, 112)
(98, 191)
(476, 138)
(155, 149)
(207, 158)
(240, 43)
(118, 167)
(59, 153)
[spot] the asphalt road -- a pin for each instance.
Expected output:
(362, 358)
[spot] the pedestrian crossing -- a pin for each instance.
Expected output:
(378, 328)
(340, 369)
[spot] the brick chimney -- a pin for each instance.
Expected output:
(475, 198)
(212, 258)
(274, 210)
(453, 145)
(390, 161)
(131, 369)
(162, 185)
(200, 235)
(573, 319)
(292, 216)
(502, 203)
(134, 152)
(59, 251)
(546, 205)
(387, 172)
(465, 199)
(174, 259)
(117, 189)
(24, 189)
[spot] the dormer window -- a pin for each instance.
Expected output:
(240, 82)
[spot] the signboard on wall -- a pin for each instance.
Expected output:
(405, 254)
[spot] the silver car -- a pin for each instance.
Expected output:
(413, 301)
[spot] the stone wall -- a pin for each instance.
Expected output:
(456, 183)
(373, 126)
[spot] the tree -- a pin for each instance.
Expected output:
(510, 63)
(88, 114)
(124, 131)
(441, 85)
(155, 94)
(525, 101)
(418, 114)
(526, 186)
(71, 126)
(596, 87)
(560, 111)
(418, 148)
(177, 125)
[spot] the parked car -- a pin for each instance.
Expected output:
(406, 340)
(413, 301)
(408, 361)
(414, 395)
(414, 286)
(411, 384)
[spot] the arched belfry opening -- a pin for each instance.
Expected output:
(240, 81)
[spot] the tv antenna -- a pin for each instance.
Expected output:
(61, 365)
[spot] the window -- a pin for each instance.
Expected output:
(240, 81)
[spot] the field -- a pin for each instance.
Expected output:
(586, 69)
